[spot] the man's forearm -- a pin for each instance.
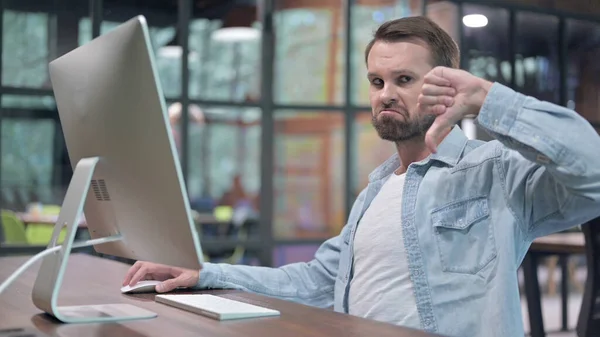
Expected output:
(544, 133)
(310, 283)
(553, 182)
(290, 282)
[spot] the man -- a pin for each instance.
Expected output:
(435, 240)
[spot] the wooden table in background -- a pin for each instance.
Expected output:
(44, 219)
(92, 280)
(27, 218)
(570, 243)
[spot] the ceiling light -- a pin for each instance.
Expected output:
(236, 34)
(475, 20)
(170, 51)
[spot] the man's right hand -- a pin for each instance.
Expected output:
(171, 277)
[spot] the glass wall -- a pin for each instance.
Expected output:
(583, 77)
(486, 50)
(367, 15)
(223, 152)
(269, 117)
(28, 160)
(446, 15)
(309, 52)
(537, 56)
(32, 167)
(34, 33)
(308, 174)
(224, 58)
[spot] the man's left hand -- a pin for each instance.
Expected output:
(450, 94)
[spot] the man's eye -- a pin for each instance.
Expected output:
(377, 82)
(405, 79)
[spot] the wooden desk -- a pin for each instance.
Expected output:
(44, 219)
(563, 245)
(92, 280)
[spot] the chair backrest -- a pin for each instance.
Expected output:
(13, 228)
(588, 323)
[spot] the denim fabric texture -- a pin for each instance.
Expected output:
(470, 213)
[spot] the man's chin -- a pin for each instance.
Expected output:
(397, 138)
(398, 133)
(387, 115)
(396, 129)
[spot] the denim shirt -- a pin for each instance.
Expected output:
(470, 213)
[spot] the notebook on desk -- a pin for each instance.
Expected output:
(215, 307)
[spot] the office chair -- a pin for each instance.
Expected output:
(588, 323)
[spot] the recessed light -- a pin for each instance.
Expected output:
(475, 20)
(236, 34)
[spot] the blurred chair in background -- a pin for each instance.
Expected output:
(13, 229)
(588, 324)
(13, 237)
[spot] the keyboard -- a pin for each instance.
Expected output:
(215, 307)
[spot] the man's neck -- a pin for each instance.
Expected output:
(411, 151)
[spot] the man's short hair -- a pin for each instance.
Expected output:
(444, 50)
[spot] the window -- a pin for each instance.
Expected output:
(367, 15)
(35, 33)
(445, 14)
(24, 104)
(487, 49)
(309, 52)
(309, 174)
(27, 162)
(583, 77)
(224, 60)
(223, 152)
(25, 53)
(536, 59)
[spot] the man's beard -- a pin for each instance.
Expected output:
(394, 130)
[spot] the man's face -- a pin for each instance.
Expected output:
(395, 72)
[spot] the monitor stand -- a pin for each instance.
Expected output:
(51, 273)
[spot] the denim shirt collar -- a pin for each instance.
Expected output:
(449, 152)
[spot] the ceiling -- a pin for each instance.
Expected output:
(158, 12)
(536, 34)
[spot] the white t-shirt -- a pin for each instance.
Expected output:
(381, 288)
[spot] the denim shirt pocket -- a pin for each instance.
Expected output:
(464, 235)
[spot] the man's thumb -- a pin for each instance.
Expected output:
(436, 132)
(431, 139)
(167, 285)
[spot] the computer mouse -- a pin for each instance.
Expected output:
(141, 287)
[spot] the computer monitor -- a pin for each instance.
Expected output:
(127, 177)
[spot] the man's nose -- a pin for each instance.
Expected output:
(389, 94)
